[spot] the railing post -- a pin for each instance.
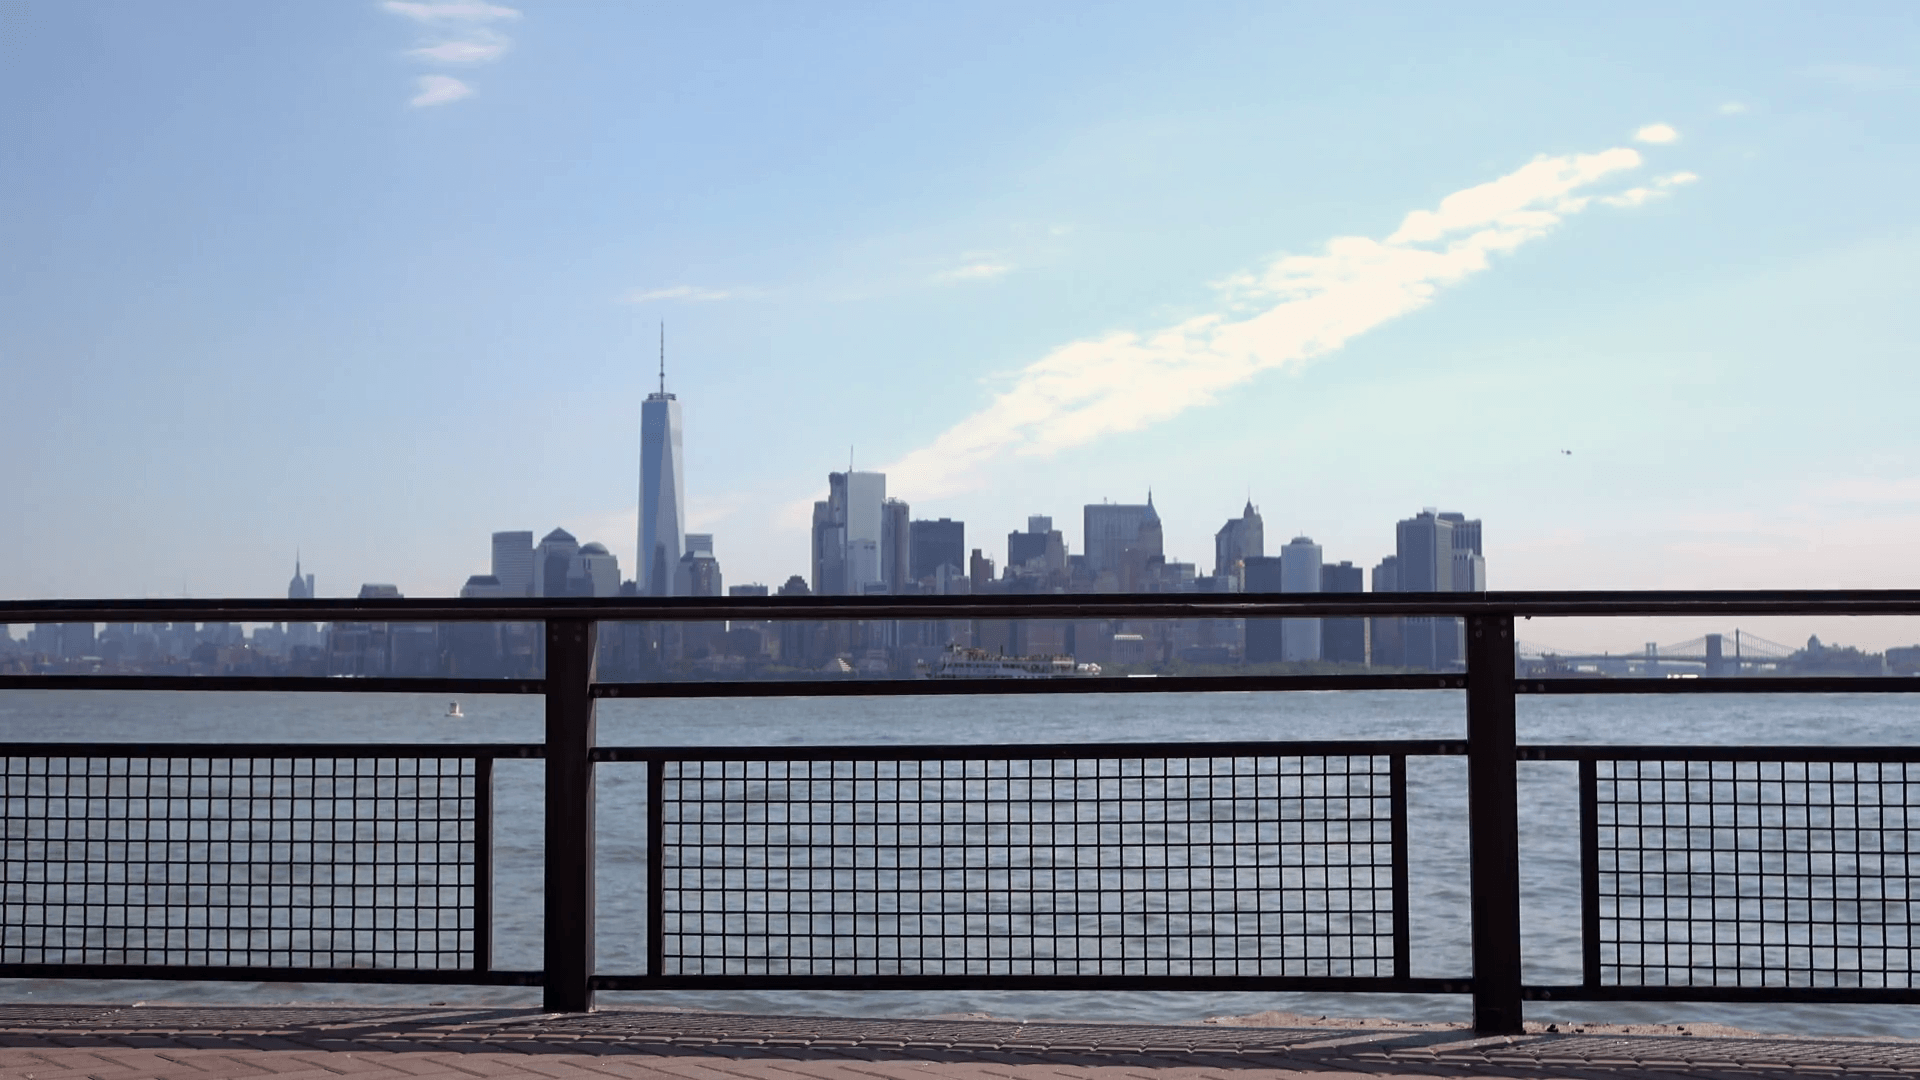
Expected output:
(1494, 824)
(569, 849)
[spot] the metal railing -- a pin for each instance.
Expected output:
(1708, 873)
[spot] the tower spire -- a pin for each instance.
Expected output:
(663, 356)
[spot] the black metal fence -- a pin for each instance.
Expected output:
(1143, 866)
(273, 862)
(1708, 873)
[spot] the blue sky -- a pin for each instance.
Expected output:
(372, 280)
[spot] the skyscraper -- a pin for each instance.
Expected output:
(1240, 539)
(1041, 549)
(1436, 553)
(300, 588)
(1300, 573)
(896, 547)
(593, 572)
(849, 535)
(1342, 640)
(698, 571)
(551, 561)
(1117, 536)
(663, 489)
(935, 544)
(513, 562)
(1264, 574)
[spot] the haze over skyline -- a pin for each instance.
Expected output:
(375, 280)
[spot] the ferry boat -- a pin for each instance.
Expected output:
(960, 662)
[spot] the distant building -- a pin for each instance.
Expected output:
(1263, 574)
(513, 561)
(1041, 549)
(551, 561)
(800, 641)
(1300, 573)
(935, 544)
(1469, 563)
(849, 534)
(663, 489)
(896, 547)
(1240, 539)
(979, 570)
(300, 588)
(748, 590)
(593, 572)
(699, 571)
(1384, 645)
(363, 648)
(1343, 640)
(301, 634)
(1433, 552)
(1120, 540)
(487, 587)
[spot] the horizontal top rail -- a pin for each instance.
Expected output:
(286, 751)
(276, 684)
(1081, 751)
(1725, 684)
(1740, 752)
(987, 687)
(1039, 606)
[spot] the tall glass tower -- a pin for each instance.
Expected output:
(663, 490)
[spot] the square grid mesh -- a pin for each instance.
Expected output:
(1757, 873)
(1224, 866)
(248, 862)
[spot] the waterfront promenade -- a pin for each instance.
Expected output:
(109, 1042)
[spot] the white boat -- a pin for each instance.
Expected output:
(453, 709)
(960, 662)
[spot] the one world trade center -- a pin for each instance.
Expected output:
(663, 491)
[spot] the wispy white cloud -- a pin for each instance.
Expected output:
(1657, 133)
(1636, 196)
(1285, 314)
(975, 271)
(1732, 108)
(482, 46)
(439, 90)
(688, 293)
(473, 41)
(450, 11)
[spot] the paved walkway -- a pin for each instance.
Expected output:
(114, 1042)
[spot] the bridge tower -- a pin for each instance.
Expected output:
(1716, 656)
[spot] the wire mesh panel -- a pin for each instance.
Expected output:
(208, 861)
(1143, 866)
(1753, 873)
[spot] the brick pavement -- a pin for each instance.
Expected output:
(313, 1043)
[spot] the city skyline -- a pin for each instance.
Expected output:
(1636, 293)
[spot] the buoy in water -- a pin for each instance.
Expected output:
(453, 709)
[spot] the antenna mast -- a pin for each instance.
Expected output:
(663, 357)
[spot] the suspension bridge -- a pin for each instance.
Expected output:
(1719, 654)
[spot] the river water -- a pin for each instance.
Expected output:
(1436, 795)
